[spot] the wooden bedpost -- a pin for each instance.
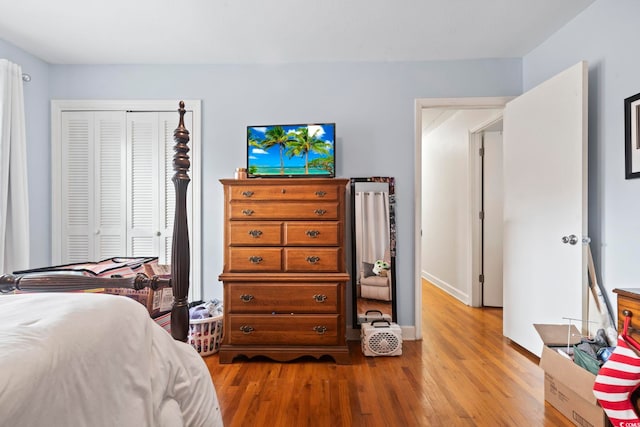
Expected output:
(180, 253)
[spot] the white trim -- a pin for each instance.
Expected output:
(193, 105)
(451, 290)
(56, 185)
(196, 182)
(122, 105)
(420, 104)
(417, 223)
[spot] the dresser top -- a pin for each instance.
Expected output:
(628, 292)
(284, 181)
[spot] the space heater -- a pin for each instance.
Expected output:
(381, 338)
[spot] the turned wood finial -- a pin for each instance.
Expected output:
(181, 110)
(181, 161)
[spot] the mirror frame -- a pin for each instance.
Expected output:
(392, 245)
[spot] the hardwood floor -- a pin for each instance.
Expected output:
(462, 373)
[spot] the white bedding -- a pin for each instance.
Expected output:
(91, 360)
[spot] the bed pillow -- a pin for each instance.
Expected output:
(367, 269)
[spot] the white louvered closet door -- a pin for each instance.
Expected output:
(112, 189)
(142, 182)
(92, 192)
(110, 192)
(151, 194)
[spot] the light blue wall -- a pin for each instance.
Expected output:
(36, 104)
(605, 35)
(372, 105)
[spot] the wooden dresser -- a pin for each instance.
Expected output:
(284, 272)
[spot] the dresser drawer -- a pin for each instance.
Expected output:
(283, 192)
(282, 298)
(628, 301)
(282, 329)
(312, 260)
(267, 210)
(311, 233)
(253, 233)
(255, 259)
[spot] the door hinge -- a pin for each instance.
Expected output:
(481, 278)
(481, 151)
(481, 215)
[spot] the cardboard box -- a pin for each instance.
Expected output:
(164, 320)
(567, 386)
(157, 302)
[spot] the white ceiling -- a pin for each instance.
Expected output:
(279, 31)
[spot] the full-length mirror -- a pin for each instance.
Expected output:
(373, 243)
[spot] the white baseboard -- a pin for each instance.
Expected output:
(408, 333)
(451, 290)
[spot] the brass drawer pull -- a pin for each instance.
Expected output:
(255, 259)
(320, 329)
(255, 233)
(321, 193)
(246, 329)
(320, 212)
(312, 233)
(313, 259)
(247, 212)
(246, 297)
(247, 193)
(320, 298)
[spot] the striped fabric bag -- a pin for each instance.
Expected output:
(618, 378)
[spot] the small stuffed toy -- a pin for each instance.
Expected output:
(380, 268)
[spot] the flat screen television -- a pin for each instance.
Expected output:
(299, 150)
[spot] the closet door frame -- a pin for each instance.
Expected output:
(58, 106)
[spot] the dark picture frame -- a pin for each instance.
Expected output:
(632, 136)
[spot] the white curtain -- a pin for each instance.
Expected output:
(372, 226)
(14, 201)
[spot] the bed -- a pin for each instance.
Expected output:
(72, 358)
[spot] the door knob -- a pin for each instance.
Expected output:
(571, 239)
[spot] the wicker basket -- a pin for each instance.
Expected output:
(205, 335)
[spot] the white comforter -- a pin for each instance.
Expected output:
(96, 360)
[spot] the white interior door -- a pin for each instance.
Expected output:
(492, 223)
(76, 188)
(93, 186)
(109, 196)
(143, 211)
(545, 198)
(150, 170)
